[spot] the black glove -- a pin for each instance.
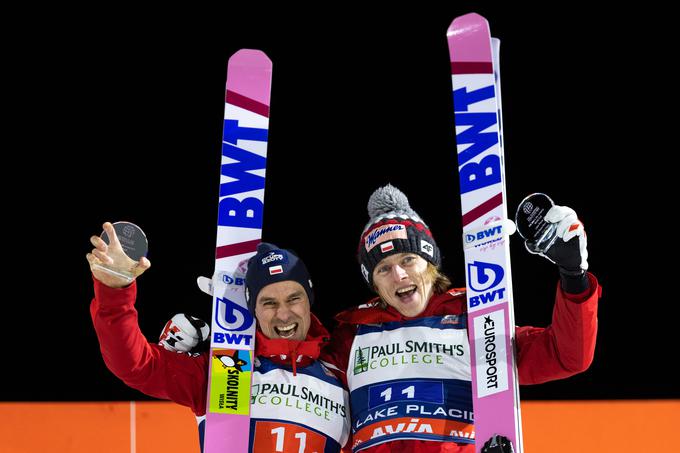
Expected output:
(569, 250)
(498, 444)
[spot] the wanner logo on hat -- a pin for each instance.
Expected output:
(276, 270)
(384, 233)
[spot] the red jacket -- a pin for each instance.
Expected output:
(563, 349)
(168, 375)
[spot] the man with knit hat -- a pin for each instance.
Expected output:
(291, 389)
(405, 354)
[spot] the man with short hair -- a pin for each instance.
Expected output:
(289, 339)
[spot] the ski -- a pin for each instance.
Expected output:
(475, 78)
(239, 230)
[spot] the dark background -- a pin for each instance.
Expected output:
(118, 116)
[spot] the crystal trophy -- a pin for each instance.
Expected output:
(134, 244)
(531, 225)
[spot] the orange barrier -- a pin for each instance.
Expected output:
(639, 426)
(97, 428)
(151, 427)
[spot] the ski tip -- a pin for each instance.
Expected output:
(249, 79)
(466, 23)
(250, 57)
(470, 45)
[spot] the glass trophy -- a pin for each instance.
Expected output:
(531, 225)
(135, 245)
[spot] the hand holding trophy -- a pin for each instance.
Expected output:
(117, 261)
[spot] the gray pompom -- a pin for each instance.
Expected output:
(388, 199)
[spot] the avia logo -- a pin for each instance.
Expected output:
(484, 276)
(463, 434)
(408, 426)
(231, 316)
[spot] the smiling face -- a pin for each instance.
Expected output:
(282, 310)
(401, 281)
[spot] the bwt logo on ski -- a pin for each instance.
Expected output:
(474, 237)
(486, 171)
(230, 280)
(232, 317)
(238, 166)
(483, 279)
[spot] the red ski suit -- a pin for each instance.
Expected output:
(563, 349)
(163, 374)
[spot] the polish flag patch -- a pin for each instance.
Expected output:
(275, 270)
(386, 247)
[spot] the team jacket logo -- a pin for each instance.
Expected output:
(399, 354)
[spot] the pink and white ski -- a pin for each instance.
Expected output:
(239, 230)
(491, 326)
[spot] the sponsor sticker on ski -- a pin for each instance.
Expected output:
(490, 354)
(230, 381)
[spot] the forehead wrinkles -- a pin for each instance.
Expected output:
(278, 298)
